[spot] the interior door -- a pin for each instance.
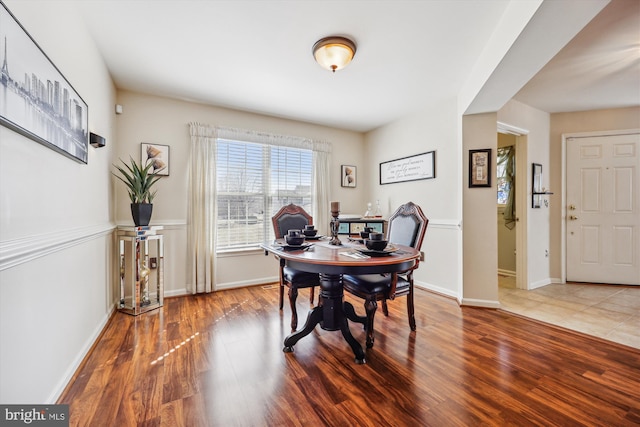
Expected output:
(603, 214)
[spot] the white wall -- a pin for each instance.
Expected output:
(55, 225)
(433, 128)
(166, 121)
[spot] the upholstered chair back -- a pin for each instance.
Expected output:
(290, 217)
(407, 226)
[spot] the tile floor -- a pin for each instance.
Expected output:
(607, 311)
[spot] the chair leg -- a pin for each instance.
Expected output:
(370, 307)
(311, 292)
(385, 309)
(410, 309)
(293, 295)
(281, 294)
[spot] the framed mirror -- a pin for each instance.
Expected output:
(536, 183)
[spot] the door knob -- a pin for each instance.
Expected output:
(572, 207)
(573, 217)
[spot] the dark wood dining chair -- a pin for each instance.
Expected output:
(293, 217)
(407, 226)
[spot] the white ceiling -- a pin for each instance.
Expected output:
(599, 68)
(256, 55)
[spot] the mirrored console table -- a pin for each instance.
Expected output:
(141, 272)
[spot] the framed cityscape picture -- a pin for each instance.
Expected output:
(35, 98)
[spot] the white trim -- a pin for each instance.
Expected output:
(522, 226)
(245, 283)
(510, 129)
(176, 293)
(18, 251)
(600, 133)
(75, 364)
(454, 224)
(540, 283)
(522, 214)
(436, 289)
(472, 302)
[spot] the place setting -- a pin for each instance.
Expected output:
(376, 245)
(296, 239)
(310, 233)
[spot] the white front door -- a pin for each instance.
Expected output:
(603, 209)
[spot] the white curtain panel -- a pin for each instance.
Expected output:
(201, 214)
(321, 186)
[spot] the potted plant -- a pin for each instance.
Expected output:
(139, 180)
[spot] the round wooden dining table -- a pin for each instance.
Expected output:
(331, 262)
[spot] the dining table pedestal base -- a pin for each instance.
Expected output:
(332, 314)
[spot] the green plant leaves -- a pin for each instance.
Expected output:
(139, 180)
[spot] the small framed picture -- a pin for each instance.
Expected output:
(348, 177)
(480, 168)
(158, 155)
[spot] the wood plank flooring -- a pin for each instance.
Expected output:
(217, 360)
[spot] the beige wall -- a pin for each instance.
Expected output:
(584, 121)
(480, 242)
(535, 221)
(55, 225)
(159, 120)
(433, 128)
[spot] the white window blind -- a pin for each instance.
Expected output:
(254, 180)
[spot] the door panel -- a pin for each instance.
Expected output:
(603, 209)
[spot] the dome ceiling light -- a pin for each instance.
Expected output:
(334, 53)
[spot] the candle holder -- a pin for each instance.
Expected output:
(335, 225)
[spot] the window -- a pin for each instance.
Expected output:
(253, 181)
(504, 181)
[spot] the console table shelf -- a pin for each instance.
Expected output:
(141, 262)
(353, 226)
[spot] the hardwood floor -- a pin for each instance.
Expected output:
(217, 360)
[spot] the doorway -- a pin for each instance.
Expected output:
(517, 137)
(602, 216)
(505, 182)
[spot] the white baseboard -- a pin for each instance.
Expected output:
(245, 283)
(472, 302)
(75, 364)
(436, 289)
(176, 292)
(539, 284)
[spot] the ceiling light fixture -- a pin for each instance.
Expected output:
(334, 53)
